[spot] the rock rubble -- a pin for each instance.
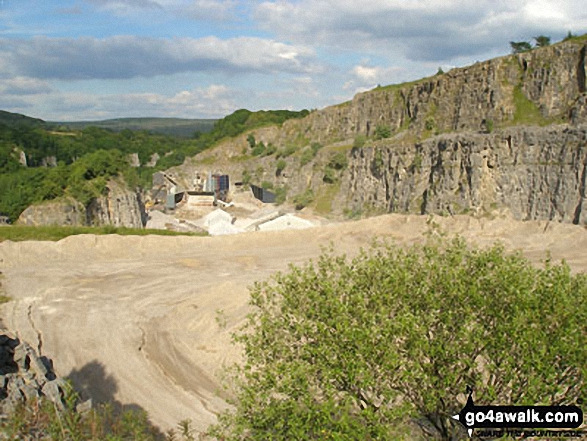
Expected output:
(26, 376)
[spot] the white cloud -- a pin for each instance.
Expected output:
(23, 86)
(428, 30)
(365, 77)
(206, 102)
(122, 57)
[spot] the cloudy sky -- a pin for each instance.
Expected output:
(96, 59)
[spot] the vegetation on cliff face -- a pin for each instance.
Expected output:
(366, 348)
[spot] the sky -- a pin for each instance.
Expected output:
(72, 60)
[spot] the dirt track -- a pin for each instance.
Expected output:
(136, 319)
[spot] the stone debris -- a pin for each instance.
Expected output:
(26, 376)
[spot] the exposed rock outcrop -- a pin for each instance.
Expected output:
(534, 172)
(26, 376)
(119, 207)
(545, 85)
(64, 211)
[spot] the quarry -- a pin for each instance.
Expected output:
(493, 152)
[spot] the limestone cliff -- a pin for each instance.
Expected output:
(534, 172)
(64, 211)
(508, 133)
(119, 207)
(542, 86)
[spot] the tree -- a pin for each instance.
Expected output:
(542, 41)
(382, 131)
(353, 349)
(520, 46)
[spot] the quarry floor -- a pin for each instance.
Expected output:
(146, 321)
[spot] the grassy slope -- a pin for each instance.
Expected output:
(17, 233)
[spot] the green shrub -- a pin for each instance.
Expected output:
(307, 156)
(330, 176)
(280, 166)
(382, 131)
(18, 233)
(489, 125)
(259, 149)
(246, 177)
(280, 195)
(357, 349)
(251, 140)
(269, 150)
(429, 124)
(267, 185)
(304, 199)
(338, 161)
(287, 151)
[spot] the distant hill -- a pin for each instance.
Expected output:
(11, 119)
(183, 128)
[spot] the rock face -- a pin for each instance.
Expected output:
(119, 207)
(534, 172)
(545, 85)
(506, 134)
(26, 376)
(57, 212)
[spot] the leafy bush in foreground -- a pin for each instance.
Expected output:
(364, 348)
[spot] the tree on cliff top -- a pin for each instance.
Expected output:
(357, 349)
(542, 41)
(520, 46)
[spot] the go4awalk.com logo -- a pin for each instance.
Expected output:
(519, 417)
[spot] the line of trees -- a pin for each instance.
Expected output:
(539, 41)
(524, 46)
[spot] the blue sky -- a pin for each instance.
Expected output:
(98, 59)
